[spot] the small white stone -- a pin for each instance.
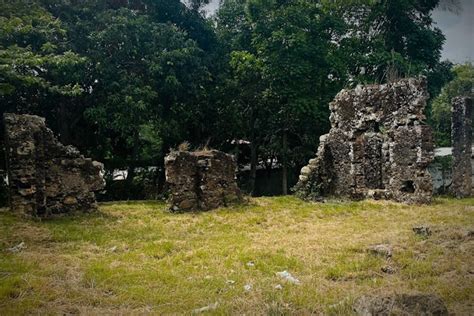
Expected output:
(288, 277)
(207, 308)
(18, 247)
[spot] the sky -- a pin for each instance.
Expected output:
(457, 27)
(459, 32)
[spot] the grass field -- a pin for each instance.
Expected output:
(137, 258)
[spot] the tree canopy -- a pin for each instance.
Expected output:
(127, 80)
(461, 85)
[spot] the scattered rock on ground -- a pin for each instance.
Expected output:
(400, 304)
(388, 269)
(207, 308)
(288, 277)
(278, 287)
(18, 247)
(381, 250)
(422, 230)
(248, 287)
(470, 233)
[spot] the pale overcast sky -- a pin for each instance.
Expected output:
(459, 32)
(458, 29)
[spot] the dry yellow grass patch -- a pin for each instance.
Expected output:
(137, 258)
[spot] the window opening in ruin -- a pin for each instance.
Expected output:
(377, 127)
(408, 187)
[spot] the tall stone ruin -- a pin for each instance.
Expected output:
(201, 180)
(461, 134)
(45, 177)
(378, 146)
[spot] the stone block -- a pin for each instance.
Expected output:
(201, 180)
(378, 146)
(461, 133)
(45, 177)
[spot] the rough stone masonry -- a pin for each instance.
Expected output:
(45, 177)
(378, 146)
(201, 180)
(461, 134)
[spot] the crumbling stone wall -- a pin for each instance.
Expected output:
(46, 177)
(201, 180)
(461, 134)
(378, 146)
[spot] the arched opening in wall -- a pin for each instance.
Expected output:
(408, 186)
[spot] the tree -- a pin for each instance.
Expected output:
(148, 78)
(244, 111)
(389, 39)
(36, 64)
(293, 39)
(127, 80)
(461, 85)
(250, 104)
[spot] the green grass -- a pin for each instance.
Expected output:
(136, 257)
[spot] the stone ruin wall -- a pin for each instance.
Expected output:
(45, 177)
(378, 146)
(201, 180)
(461, 134)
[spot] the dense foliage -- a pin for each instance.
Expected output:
(461, 85)
(127, 80)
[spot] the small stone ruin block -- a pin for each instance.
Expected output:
(45, 177)
(378, 146)
(461, 134)
(201, 180)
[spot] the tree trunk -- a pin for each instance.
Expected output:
(161, 178)
(284, 181)
(269, 168)
(253, 155)
(133, 163)
(253, 167)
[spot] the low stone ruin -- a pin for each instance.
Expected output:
(461, 134)
(201, 180)
(378, 146)
(45, 177)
